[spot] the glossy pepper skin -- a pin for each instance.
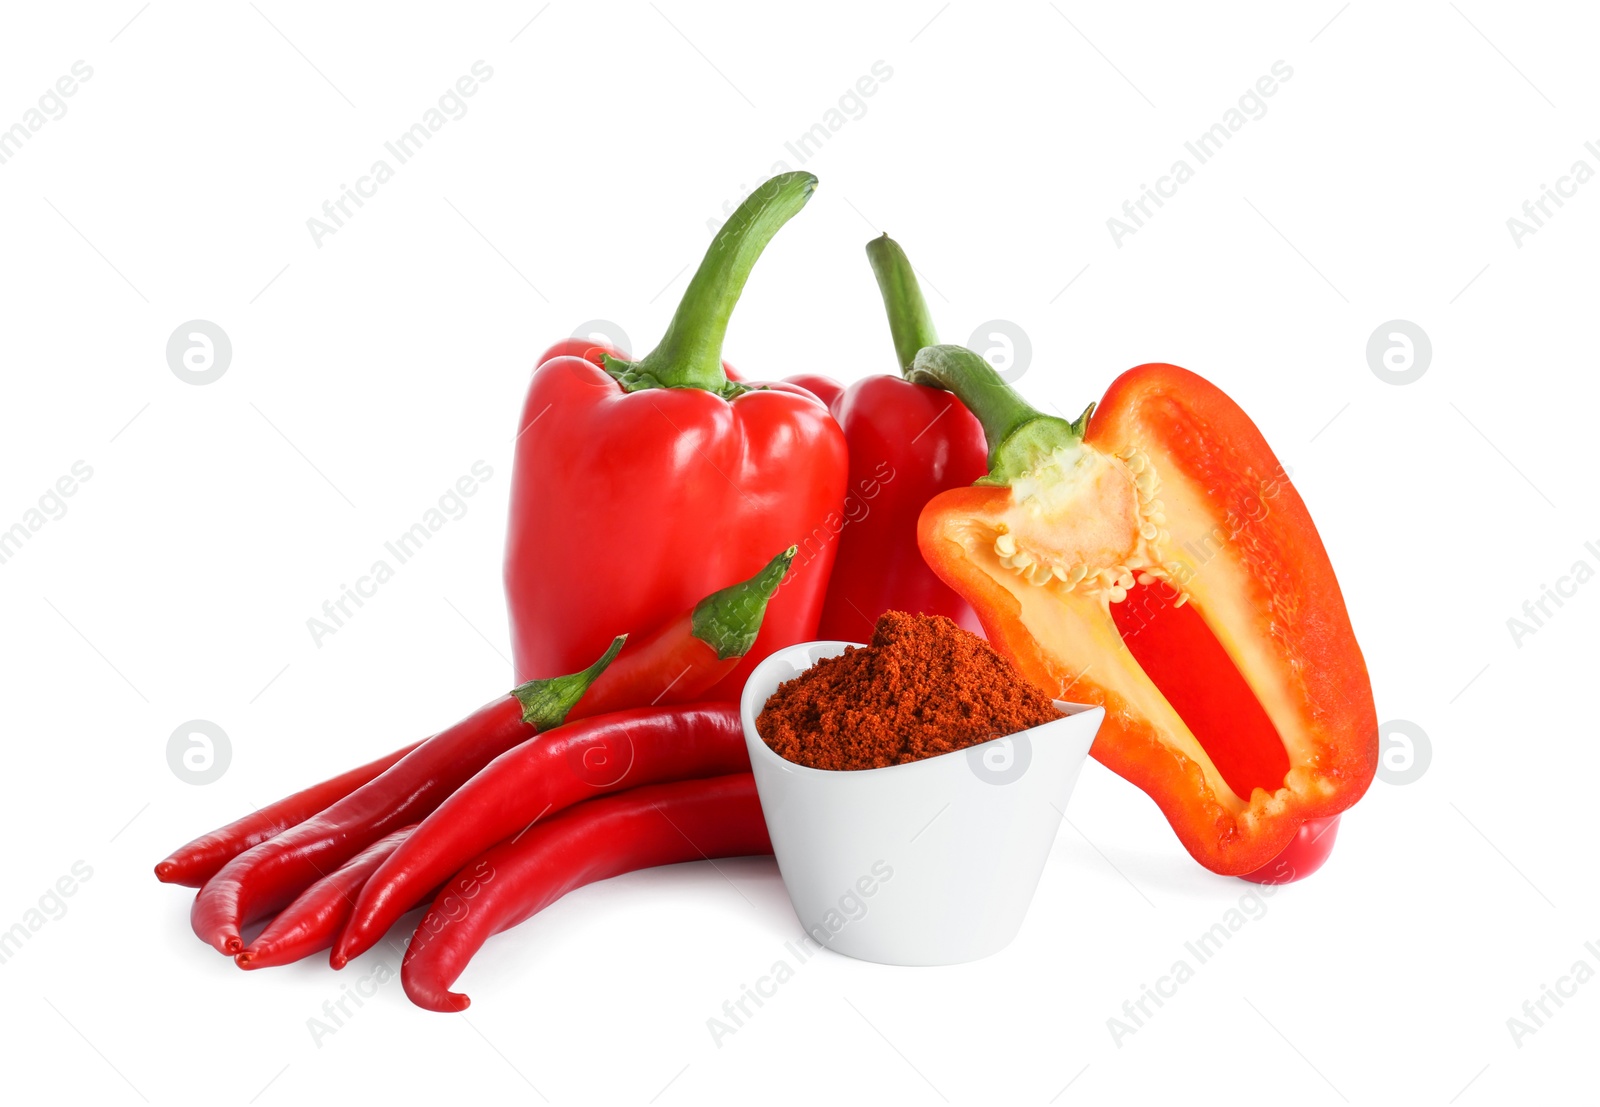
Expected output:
(677, 661)
(1158, 561)
(618, 752)
(597, 352)
(312, 922)
(684, 657)
(195, 863)
(614, 748)
(908, 442)
(639, 487)
(271, 875)
(661, 824)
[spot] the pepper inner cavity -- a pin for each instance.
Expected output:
(1045, 541)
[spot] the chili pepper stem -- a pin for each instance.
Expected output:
(1020, 437)
(690, 353)
(909, 320)
(545, 703)
(729, 619)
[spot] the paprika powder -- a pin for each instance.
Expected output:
(923, 688)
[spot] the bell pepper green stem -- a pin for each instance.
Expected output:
(729, 620)
(690, 353)
(545, 703)
(909, 321)
(1020, 437)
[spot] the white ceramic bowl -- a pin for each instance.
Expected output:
(930, 863)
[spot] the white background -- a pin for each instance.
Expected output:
(369, 373)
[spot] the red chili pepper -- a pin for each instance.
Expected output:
(1158, 561)
(268, 876)
(908, 442)
(197, 862)
(680, 660)
(528, 784)
(674, 663)
(639, 487)
(313, 920)
(638, 829)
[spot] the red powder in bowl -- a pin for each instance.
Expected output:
(924, 687)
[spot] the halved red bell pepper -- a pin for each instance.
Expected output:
(908, 442)
(1157, 561)
(641, 486)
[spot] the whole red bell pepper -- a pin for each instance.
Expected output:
(640, 486)
(908, 442)
(1157, 561)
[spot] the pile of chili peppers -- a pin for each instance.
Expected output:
(1150, 556)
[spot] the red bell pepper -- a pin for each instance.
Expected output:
(908, 442)
(640, 486)
(1157, 561)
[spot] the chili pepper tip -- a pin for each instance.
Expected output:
(449, 1003)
